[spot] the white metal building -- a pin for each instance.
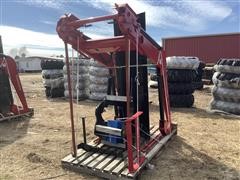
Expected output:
(31, 63)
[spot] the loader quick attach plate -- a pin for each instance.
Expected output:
(106, 164)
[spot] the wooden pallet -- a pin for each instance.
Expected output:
(110, 166)
(17, 117)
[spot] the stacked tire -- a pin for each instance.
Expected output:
(98, 78)
(78, 77)
(198, 83)
(52, 74)
(182, 72)
(226, 90)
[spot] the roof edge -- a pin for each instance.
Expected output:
(206, 35)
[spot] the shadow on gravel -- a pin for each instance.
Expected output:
(80, 102)
(179, 160)
(202, 113)
(12, 130)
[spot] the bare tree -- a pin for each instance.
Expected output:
(23, 52)
(13, 52)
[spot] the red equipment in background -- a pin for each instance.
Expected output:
(9, 70)
(133, 38)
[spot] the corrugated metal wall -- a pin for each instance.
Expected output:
(208, 48)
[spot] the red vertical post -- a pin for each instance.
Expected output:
(137, 139)
(129, 123)
(127, 71)
(131, 165)
(70, 102)
(167, 123)
(129, 146)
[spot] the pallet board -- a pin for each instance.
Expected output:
(109, 165)
(16, 117)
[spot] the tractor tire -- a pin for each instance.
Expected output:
(208, 73)
(182, 62)
(198, 77)
(48, 91)
(98, 80)
(198, 85)
(179, 101)
(95, 63)
(57, 92)
(98, 88)
(53, 83)
(54, 92)
(227, 69)
(180, 88)
(229, 62)
(181, 75)
(226, 80)
(98, 71)
(51, 64)
(226, 94)
(79, 62)
(200, 72)
(73, 70)
(80, 86)
(153, 77)
(86, 62)
(202, 65)
(228, 66)
(97, 96)
(229, 107)
(52, 74)
(81, 77)
(81, 94)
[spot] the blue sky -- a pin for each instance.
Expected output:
(32, 23)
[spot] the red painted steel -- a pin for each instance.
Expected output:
(80, 23)
(165, 127)
(9, 66)
(132, 167)
(147, 147)
(74, 147)
(127, 19)
(208, 48)
(68, 30)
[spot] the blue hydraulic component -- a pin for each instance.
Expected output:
(116, 124)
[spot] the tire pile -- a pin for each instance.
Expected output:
(92, 80)
(226, 90)
(52, 74)
(198, 83)
(79, 78)
(182, 74)
(98, 77)
(182, 71)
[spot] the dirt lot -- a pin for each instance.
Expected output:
(207, 145)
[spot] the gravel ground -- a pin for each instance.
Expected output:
(207, 145)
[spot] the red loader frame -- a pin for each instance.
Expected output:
(100, 49)
(8, 65)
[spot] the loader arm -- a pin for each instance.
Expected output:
(8, 65)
